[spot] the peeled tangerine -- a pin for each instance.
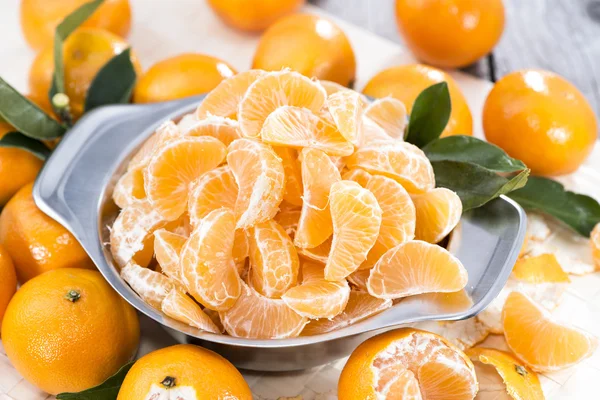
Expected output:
(438, 212)
(150, 285)
(407, 364)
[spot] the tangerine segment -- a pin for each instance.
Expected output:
(543, 268)
(299, 127)
(151, 286)
(214, 189)
(256, 316)
(346, 108)
(167, 248)
(274, 262)
(357, 175)
(273, 90)
(180, 307)
(390, 115)
(360, 306)
(372, 134)
(356, 218)
(207, 264)
(319, 173)
(224, 100)
(595, 242)
(538, 340)
(490, 364)
(166, 131)
(317, 297)
(260, 177)
(129, 188)
(416, 267)
(438, 213)
(288, 219)
(400, 161)
(358, 279)
(331, 87)
(319, 253)
(174, 166)
(224, 129)
(379, 368)
(293, 175)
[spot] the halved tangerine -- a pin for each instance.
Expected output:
(151, 286)
(182, 308)
(438, 212)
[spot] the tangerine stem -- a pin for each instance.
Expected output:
(73, 295)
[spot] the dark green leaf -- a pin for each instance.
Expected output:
(473, 150)
(20, 141)
(108, 390)
(475, 185)
(113, 83)
(25, 116)
(430, 114)
(579, 211)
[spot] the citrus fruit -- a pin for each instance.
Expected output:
(346, 108)
(274, 263)
(181, 76)
(406, 82)
(67, 330)
(293, 175)
(8, 281)
(224, 129)
(407, 364)
(538, 340)
(332, 87)
(595, 242)
(35, 242)
(129, 188)
(390, 115)
(320, 253)
(167, 249)
(260, 177)
(253, 15)
(438, 212)
(273, 90)
(256, 316)
(310, 44)
(318, 174)
(416, 267)
(356, 218)
(39, 19)
(85, 52)
(498, 371)
(184, 372)
(450, 34)
(541, 119)
(165, 132)
(182, 308)
(373, 134)
(150, 285)
(317, 297)
(357, 175)
(213, 189)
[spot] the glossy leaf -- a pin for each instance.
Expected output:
(430, 114)
(20, 141)
(108, 390)
(579, 211)
(113, 83)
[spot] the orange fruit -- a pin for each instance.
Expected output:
(67, 330)
(167, 249)
(310, 44)
(293, 175)
(319, 253)
(356, 218)
(497, 368)
(372, 134)
(181, 76)
(538, 340)
(407, 364)
(129, 188)
(256, 316)
(39, 19)
(35, 242)
(8, 281)
(331, 87)
(151, 286)
(438, 212)
(346, 108)
(541, 119)
(405, 82)
(253, 15)
(416, 267)
(182, 308)
(213, 189)
(224, 129)
(85, 52)
(174, 166)
(357, 175)
(403, 162)
(595, 242)
(450, 34)
(390, 115)
(318, 174)
(207, 263)
(273, 90)
(358, 279)
(288, 219)
(260, 177)
(167, 131)
(543, 268)
(184, 371)
(298, 127)
(274, 261)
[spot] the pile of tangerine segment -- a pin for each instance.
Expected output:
(283, 206)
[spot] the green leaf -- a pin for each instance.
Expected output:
(579, 211)
(473, 150)
(113, 83)
(25, 116)
(474, 184)
(430, 114)
(20, 141)
(108, 390)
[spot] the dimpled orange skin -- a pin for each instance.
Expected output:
(212, 376)
(36, 242)
(8, 281)
(39, 18)
(450, 33)
(312, 45)
(253, 15)
(61, 345)
(541, 119)
(405, 82)
(181, 76)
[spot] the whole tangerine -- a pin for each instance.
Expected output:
(8, 281)
(253, 15)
